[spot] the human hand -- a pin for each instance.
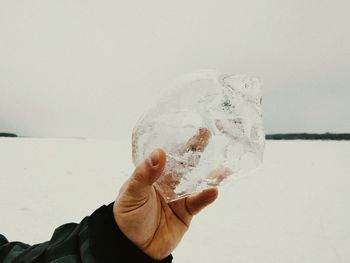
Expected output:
(143, 215)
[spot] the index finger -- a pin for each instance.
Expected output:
(198, 142)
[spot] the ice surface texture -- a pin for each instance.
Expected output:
(210, 126)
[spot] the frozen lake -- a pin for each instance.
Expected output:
(295, 208)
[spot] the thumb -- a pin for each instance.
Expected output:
(146, 174)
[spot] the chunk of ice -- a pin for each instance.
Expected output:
(210, 126)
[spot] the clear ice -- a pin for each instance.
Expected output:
(210, 126)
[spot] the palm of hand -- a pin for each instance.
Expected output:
(154, 226)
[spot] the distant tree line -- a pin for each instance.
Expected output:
(6, 134)
(277, 136)
(309, 136)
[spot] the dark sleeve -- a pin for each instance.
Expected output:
(96, 239)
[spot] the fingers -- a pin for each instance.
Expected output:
(199, 141)
(217, 176)
(194, 204)
(146, 174)
(186, 208)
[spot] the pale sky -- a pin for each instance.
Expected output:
(91, 68)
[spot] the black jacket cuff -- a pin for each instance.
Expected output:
(109, 244)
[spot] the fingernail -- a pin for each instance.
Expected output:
(154, 158)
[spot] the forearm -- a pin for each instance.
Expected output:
(96, 239)
(68, 244)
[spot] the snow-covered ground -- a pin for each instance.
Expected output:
(295, 208)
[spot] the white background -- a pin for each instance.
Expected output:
(90, 68)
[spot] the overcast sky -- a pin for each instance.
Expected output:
(90, 68)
